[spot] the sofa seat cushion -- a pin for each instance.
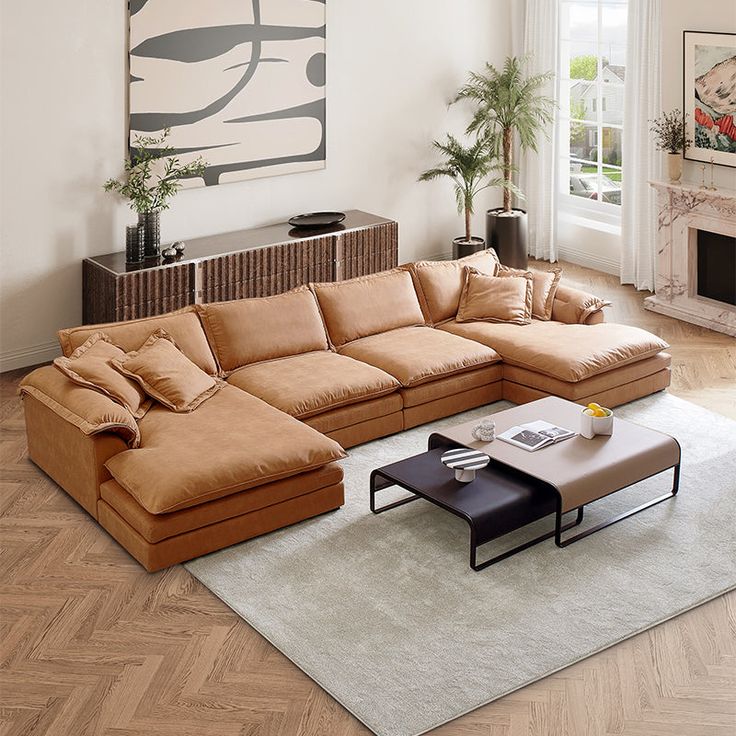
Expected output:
(415, 355)
(589, 386)
(156, 527)
(568, 352)
(233, 441)
(312, 383)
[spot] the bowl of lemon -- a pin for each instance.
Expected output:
(596, 420)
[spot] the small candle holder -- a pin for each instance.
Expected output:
(712, 186)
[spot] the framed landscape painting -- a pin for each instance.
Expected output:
(710, 96)
(239, 82)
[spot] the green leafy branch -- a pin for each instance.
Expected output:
(146, 189)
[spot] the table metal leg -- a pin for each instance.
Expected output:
(498, 558)
(620, 517)
(378, 483)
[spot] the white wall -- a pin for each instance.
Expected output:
(392, 67)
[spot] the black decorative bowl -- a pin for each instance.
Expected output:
(317, 219)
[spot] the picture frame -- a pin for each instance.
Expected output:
(242, 84)
(709, 96)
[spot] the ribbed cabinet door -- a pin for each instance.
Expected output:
(266, 271)
(366, 251)
(154, 291)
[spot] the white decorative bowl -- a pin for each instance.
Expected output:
(591, 426)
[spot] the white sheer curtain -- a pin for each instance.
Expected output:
(538, 171)
(642, 103)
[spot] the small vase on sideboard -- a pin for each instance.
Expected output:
(674, 166)
(151, 223)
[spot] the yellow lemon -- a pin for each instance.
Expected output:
(598, 411)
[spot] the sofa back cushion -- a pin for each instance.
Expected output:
(184, 326)
(440, 283)
(252, 330)
(368, 305)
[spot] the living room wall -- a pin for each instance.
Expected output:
(392, 67)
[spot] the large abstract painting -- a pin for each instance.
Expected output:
(239, 82)
(710, 96)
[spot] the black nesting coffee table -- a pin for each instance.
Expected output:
(499, 500)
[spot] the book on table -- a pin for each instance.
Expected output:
(535, 435)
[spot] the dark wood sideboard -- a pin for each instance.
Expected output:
(247, 263)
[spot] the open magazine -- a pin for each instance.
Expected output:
(533, 435)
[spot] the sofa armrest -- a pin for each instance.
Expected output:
(573, 306)
(90, 411)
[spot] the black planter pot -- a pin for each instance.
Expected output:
(507, 235)
(462, 247)
(151, 223)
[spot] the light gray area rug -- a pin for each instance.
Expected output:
(385, 614)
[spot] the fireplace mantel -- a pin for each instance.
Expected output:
(682, 210)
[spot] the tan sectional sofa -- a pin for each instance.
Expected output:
(308, 373)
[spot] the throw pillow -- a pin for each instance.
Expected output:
(90, 365)
(166, 374)
(496, 298)
(545, 285)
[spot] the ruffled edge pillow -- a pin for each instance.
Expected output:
(90, 365)
(167, 375)
(496, 298)
(545, 285)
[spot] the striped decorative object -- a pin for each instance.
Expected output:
(465, 462)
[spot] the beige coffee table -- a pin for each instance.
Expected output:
(580, 471)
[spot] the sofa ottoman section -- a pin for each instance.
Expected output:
(160, 540)
(611, 362)
(220, 534)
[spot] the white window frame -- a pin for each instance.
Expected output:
(594, 210)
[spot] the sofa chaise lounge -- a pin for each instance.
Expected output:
(308, 373)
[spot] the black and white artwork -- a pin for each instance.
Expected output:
(239, 82)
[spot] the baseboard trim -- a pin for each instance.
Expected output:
(11, 360)
(589, 260)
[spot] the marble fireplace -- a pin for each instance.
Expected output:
(696, 255)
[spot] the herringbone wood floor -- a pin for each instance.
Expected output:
(91, 644)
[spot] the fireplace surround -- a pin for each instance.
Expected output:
(696, 255)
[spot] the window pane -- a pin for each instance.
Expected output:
(613, 101)
(583, 142)
(611, 146)
(583, 60)
(582, 98)
(583, 180)
(613, 24)
(582, 20)
(611, 180)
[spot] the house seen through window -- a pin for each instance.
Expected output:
(592, 73)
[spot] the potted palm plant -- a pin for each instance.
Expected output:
(469, 167)
(152, 177)
(508, 102)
